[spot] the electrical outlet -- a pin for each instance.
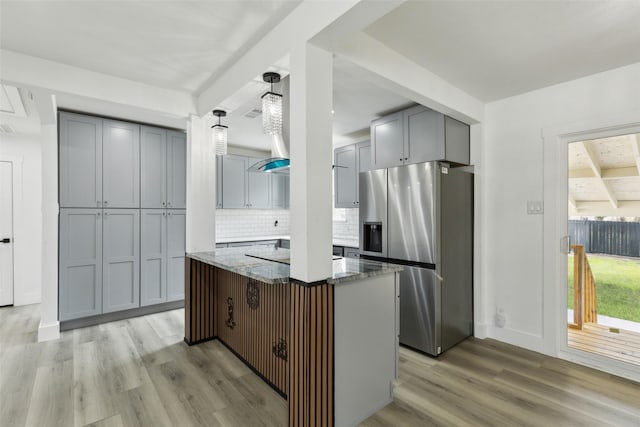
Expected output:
(535, 207)
(500, 318)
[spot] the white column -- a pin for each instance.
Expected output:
(49, 328)
(311, 159)
(201, 186)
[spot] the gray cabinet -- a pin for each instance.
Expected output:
(176, 170)
(258, 188)
(153, 169)
(234, 173)
(162, 251)
(242, 189)
(80, 161)
(279, 191)
(345, 177)
(120, 259)
(417, 135)
(176, 231)
(351, 252)
(162, 168)
(120, 164)
(219, 182)
(387, 139)
(80, 247)
(349, 161)
(153, 256)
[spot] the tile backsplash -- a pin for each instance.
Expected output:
(345, 223)
(259, 222)
(251, 222)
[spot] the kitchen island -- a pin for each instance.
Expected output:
(330, 347)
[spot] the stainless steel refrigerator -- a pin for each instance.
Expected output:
(421, 216)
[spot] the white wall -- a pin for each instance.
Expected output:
(28, 226)
(513, 172)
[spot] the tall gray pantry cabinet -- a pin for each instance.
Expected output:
(109, 256)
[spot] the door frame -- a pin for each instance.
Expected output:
(555, 141)
(16, 172)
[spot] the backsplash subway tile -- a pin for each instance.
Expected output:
(251, 222)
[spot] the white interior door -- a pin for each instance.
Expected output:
(6, 233)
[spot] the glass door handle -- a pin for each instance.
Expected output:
(5, 240)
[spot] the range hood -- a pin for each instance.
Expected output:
(279, 162)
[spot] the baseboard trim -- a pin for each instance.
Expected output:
(518, 338)
(119, 315)
(48, 332)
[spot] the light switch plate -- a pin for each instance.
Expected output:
(535, 207)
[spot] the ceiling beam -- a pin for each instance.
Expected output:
(388, 69)
(604, 208)
(595, 167)
(75, 84)
(312, 18)
(611, 173)
(572, 202)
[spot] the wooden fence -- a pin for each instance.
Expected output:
(606, 237)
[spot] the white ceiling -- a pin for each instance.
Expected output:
(497, 49)
(18, 113)
(171, 44)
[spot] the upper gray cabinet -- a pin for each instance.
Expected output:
(80, 161)
(219, 182)
(120, 164)
(345, 177)
(279, 191)
(237, 188)
(258, 188)
(176, 170)
(153, 170)
(234, 177)
(162, 168)
(417, 135)
(387, 141)
(349, 161)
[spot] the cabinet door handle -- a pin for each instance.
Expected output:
(406, 158)
(400, 158)
(168, 203)
(163, 213)
(97, 213)
(169, 214)
(105, 202)
(163, 203)
(106, 213)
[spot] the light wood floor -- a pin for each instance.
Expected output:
(595, 338)
(139, 372)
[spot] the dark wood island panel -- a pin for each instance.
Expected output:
(283, 331)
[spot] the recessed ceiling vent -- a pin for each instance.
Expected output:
(253, 113)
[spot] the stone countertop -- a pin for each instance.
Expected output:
(243, 261)
(349, 242)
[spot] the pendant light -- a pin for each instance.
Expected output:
(271, 107)
(219, 133)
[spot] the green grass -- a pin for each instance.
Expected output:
(617, 286)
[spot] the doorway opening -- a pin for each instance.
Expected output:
(6, 233)
(603, 264)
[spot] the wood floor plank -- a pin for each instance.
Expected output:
(52, 397)
(139, 372)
